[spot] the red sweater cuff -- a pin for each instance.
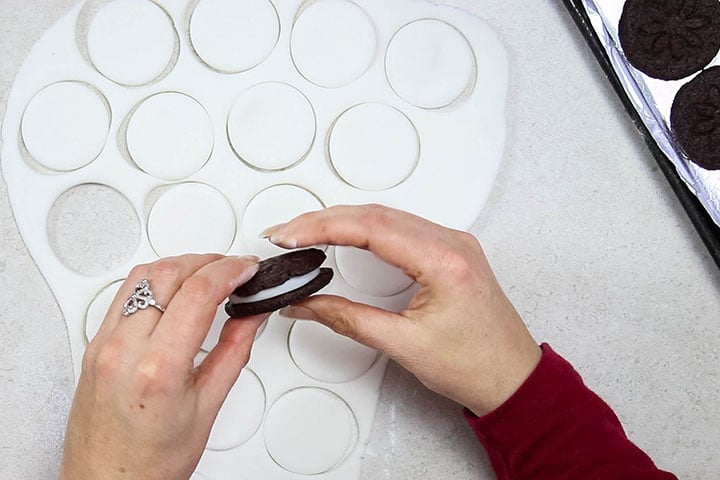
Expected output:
(554, 427)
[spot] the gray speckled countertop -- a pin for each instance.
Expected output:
(583, 231)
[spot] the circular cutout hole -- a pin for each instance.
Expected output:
(374, 147)
(272, 206)
(430, 64)
(366, 273)
(327, 356)
(271, 126)
(98, 309)
(170, 136)
(93, 228)
(233, 36)
(191, 218)
(132, 42)
(241, 414)
(309, 431)
(333, 42)
(213, 336)
(65, 126)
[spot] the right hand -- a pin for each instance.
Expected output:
(460, 335)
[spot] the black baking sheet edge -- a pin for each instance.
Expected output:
(708, 230)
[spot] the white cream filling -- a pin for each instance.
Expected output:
(292, 284)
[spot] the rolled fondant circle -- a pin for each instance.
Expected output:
(182, 218)
(170, 136)
(65, 126)
(274, 205)
(241, 414)
(374, 147)
(327, 356)
(333, 42)
(233, 36)
(271, 126)
(429, 63)
(310, 431)
(131, 42)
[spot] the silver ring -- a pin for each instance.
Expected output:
(141, 299)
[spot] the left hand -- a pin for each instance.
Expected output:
(141, 409)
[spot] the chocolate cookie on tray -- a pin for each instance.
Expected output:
(695, 118)
(670, 39)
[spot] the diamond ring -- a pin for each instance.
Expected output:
(141, 299)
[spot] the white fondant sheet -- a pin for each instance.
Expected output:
(191, 134)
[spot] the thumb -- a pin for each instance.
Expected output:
(371, 326)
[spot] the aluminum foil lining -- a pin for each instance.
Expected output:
(653, 100)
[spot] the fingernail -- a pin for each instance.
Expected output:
(249, 258)
(270, 230)
(280, 240)
(246, 275)
(298, 313)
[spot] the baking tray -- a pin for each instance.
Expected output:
(708, 230)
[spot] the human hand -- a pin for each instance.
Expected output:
(460, 336)
(141, 409)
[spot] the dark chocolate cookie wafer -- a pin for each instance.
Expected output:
(670, 39)
(695, 119)
(279, 282)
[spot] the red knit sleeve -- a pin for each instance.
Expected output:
(555, 428)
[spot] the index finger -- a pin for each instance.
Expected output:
(402, 239)
(168, 273)
(188, 316)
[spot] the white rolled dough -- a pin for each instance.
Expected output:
(131, 42)
(429, 63)
(374, 147)
(65, 126)
(241, 414)
(191, 218)
(274, 205)
(310, 431)
(170, 136)
(326, 356)
(333, 42)
(233, 36)
(271, 126)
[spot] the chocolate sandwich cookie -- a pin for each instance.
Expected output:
(279, 282)
(670, 39)
(695, 119)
